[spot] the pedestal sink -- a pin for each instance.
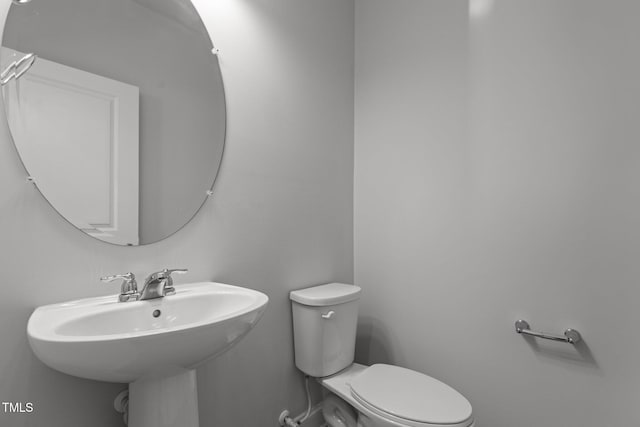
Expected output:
(153, 345)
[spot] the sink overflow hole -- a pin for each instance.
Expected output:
(156, 313)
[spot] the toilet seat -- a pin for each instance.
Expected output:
(410, 398)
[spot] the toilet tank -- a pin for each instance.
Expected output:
(324, 327)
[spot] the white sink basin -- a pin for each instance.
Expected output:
(103, 339)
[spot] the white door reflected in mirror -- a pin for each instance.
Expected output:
(78, 134)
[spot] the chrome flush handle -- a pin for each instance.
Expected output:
(328, 315)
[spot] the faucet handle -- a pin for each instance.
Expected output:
(169, 289)
(176, 270)
(165, 273)
(126, 276)
(129, 287)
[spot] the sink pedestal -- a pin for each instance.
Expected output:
(165, 401)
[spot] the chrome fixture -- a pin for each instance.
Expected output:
(129, 288)
(159, 284)
(16, 69)
(20, 1)
(570, 335)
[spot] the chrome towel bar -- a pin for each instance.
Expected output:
(570, 335)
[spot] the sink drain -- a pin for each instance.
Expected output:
(156, 313)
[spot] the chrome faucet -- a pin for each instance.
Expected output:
(129, 287)
(159, 284)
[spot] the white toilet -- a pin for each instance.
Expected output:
(324, 328)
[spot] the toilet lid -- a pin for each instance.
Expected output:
(410, 395)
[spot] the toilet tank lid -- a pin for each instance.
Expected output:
(329, 294)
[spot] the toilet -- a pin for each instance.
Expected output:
(324, 328)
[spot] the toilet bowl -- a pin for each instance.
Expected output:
(381, 395)
(391, 396)
(337, 413)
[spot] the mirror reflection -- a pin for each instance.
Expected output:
(120, 120)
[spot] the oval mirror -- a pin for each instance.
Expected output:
(119, 114)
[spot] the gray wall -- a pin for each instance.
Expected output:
(281, 219)
(496, 178)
